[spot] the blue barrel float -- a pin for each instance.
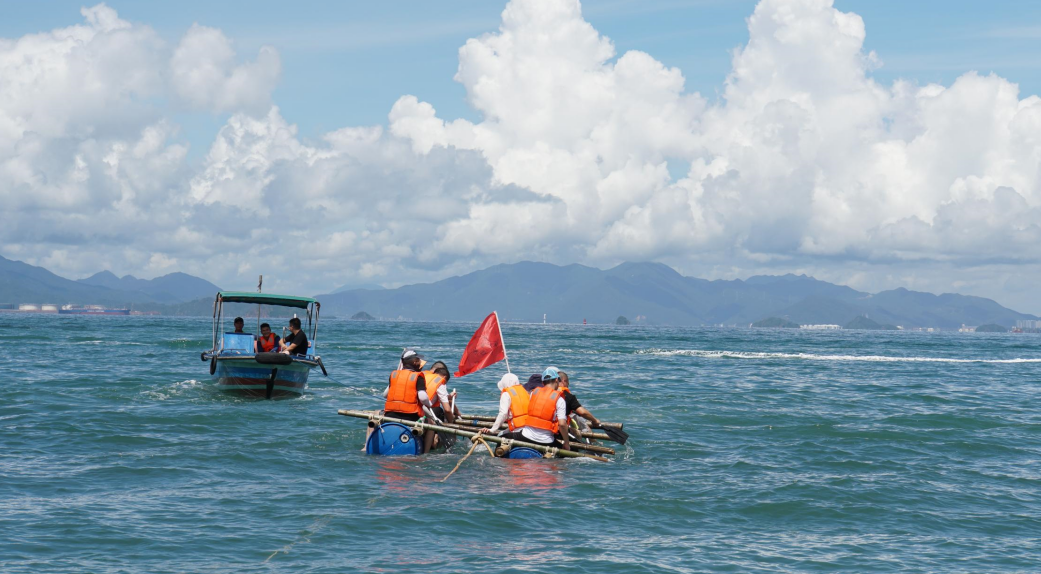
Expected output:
(523, 452)
(392, 439)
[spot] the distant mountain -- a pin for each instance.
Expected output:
(172, 288)
(24, 283)
(657, 294)
(354, 286)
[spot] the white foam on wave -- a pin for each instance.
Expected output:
(172, 390)
(816, 357)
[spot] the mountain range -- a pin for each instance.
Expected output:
(644, 293)
(24, 283)
(654, 293)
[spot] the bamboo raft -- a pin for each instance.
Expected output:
(504, 445)
(487, 419)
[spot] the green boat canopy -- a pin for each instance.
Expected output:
(265, 299)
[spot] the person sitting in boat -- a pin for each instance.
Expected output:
(534, 417)
(571, 404)
(239, 325)
(296, 341)
(268, 342)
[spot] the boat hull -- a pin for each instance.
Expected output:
(248, 378)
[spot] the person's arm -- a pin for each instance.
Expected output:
(504, 409)
(584, 413)
(562, 423)
(289, 348)
(442, 397)
(424, 399)
(386, 391)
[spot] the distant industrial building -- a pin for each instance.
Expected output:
(821, 327)
(1028, 324)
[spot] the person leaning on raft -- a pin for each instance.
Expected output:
(571, 404)
(268, 342)
(406, 393)
(533, 417)
(438, 400)
(296, 342)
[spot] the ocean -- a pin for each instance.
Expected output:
(749, 451)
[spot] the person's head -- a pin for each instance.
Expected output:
(265, 329)
(239, 324)
(508, 380)
(563, 379)
(294, 324)
(551, 377)
(441, 369)
(411, 359)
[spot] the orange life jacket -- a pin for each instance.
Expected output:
(401, 398)
(433, 382)
(267, 344)
(535, 410)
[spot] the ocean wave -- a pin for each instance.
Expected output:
(706, 354)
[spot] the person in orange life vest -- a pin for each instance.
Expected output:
(571, 404)
(438, 398)
(406, 394)
(268, 342)
(535, 417)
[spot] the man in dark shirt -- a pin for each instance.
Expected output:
(571, 403)
(296, 341)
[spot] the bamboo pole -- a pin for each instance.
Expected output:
(377, 418)
(574, 444)
(492, 419)
(482, 424)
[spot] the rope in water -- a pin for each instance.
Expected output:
(476, 440)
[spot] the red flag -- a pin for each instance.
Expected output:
(485, 347)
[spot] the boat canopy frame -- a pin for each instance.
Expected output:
(308, 304)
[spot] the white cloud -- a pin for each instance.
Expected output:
(805, 164)
(204, 74)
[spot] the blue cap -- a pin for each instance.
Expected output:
(550, 374)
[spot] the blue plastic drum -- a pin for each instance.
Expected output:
(393, 439)
(523, 452)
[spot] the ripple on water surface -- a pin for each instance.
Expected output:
(751, 451)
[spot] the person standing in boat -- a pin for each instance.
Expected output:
(239, 325)
(296, 342)
(534, 417)
(268, 342)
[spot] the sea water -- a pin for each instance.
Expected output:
(750, 451)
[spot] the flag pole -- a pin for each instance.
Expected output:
(505, 356)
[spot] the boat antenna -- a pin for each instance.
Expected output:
(260, 284)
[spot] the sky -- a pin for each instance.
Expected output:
(874, 143)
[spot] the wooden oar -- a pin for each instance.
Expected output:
(574, 445)
(492, 419)
(378, 418)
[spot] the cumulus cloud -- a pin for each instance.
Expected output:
(806, 163)
(203, 73)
